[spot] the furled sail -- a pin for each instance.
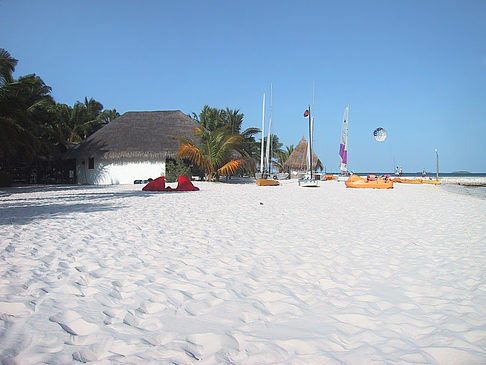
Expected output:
(343, 147)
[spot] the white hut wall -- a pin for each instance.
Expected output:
(120, 171)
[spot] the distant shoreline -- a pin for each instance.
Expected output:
(419, 174)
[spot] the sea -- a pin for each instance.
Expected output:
(429, 174)
(473, 191)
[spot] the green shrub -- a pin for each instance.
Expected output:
(176, 167)
(5, 179)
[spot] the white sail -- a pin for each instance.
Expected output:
(343, 147)
(269, 142)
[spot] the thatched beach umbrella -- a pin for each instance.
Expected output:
(297, 161)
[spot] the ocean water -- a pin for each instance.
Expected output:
(429, 174)
(473, 191)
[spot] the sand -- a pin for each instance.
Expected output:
(241, 274)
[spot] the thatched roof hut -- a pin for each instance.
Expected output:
(297, 160)
(138, 135)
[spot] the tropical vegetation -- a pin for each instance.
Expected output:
(176, 167)
(281, 156)
(35, 130)
(224, 149)
(33, 125)
(216, 152)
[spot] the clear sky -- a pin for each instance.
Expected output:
(416, 68)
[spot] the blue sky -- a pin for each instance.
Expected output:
(415, 68)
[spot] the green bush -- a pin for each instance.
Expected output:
(176, 167)
(5, 179)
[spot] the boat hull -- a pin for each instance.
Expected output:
(434, 182)
(309, 183)
(267, 182)
(408, 181)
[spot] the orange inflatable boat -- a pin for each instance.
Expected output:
(372, 182)
(408, 181)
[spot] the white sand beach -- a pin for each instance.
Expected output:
(241, 274)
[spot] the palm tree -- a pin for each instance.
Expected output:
(74, 124)
(7, 67)
(108, 115)
(210, 118)
(230, 119)
(281, 156)
(233, 120)
(88, 116)
(275, 147)
(216, 152)
(249, 145)
(24, 110)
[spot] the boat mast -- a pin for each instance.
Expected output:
(269, 142)
(310, 142)
(263, 136)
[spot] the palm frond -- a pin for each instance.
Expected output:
(229, 168)
(191, 152)
(250, 132)
(234, 166)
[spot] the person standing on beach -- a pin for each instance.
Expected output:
(401, 171)
(396, 171)
(424, 173)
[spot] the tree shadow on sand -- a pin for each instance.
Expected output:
(19, 215)
(17, 209)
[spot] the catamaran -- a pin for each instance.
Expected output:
(262, 179)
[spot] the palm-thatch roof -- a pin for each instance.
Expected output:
(138, 135)
(298, 158)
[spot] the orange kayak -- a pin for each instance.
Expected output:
(435, 182)
(408, 181)
(355, 181)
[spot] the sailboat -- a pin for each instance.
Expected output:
(309, 180)
(343, 147)
(262, 179)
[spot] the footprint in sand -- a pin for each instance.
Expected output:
(142, 321)
(131, 320)
(14, 309)
(195, 308)
(72, 323)
(94, 352)
(203, 345)
(112, 314)
(150, 307)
